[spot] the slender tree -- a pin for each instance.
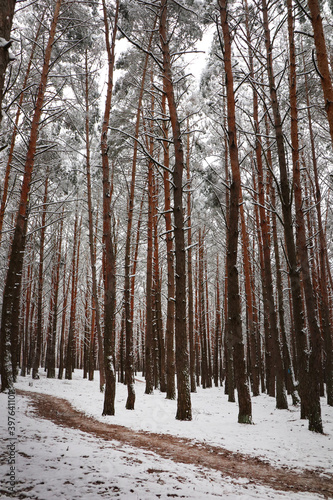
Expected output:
(184, 411)
(10, 306)
(309, 405)
(315, 422)
(234, 307)
(127, 282)
(170, 322)
(109, 256)
(39, 333)
(7, 8)
(149, 341)
(91, 236)
(322, 60)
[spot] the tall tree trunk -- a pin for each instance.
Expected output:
(7, 8)
(184, 411)
(170, 322)
(10, 308)
(234, 306)
(109, 256)
(229, 355)
(16, 129)
(323, 268)
(26, 321)
(39, 334)
(70, 352)
(65, 293)
(53, 333)
(91, 239)
(288, 365)
(149, 340)
(129, 359)
(249, 303)
(202, 314)
(322, 60)
(286, 200)
(158, 320)
(189, 266)
(314, 415)
(218, 330)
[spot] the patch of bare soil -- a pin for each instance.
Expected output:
(236, 465)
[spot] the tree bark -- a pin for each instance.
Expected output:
(53, 333)
(323, 268)
(15, 131)
(109, 256)
(10, 308)
(314, 414)
(322, 60)
(129, 358)
(91, 239)
(234, 306)
(297, 305)
(170, 322)
(189, 266)
(149, 352)
(184, 411)
(39, 334)
(7, 8)
(70, 352)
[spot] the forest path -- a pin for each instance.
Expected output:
(61, 412)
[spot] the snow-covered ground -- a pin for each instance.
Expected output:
(54, 462)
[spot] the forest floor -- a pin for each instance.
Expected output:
(234, 465)
(65, 450)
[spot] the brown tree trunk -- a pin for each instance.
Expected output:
(234, 306)
(249, 305)
(299, 325)
(189, 267)
(149, 340)
(70, 353)
(229, 356)
(322, 60)
(184, 411)
(15, 131)
(39, 333)
(53, 333)
(92, 343)
(158, 320)
(109, 256)
(7, 8)
(27, 306)
(91, 239)
(288, 365)
(273, 347)
(10, 308)
(314, 411)
(217, 372)
(324, 265)
(209, 350)
(170, 322)
(129, 359)
(202, 314)
(65, 293)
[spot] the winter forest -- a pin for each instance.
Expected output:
(166, 198)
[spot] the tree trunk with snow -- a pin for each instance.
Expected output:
(10, 308)
(184, 411)
(234, 306)
(109, 256)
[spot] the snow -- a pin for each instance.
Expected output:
(54, 462)
(5, 43)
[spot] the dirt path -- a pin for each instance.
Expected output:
(60, 412)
